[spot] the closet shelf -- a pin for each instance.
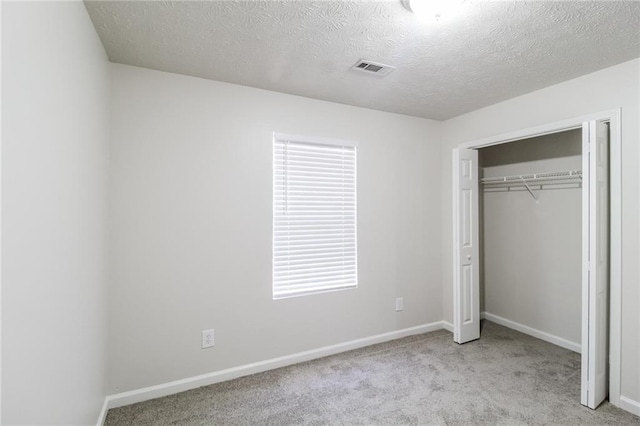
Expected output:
(544, 178)
(568, 179)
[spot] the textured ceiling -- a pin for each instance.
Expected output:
(492, 51)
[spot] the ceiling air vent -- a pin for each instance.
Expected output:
(373, 68)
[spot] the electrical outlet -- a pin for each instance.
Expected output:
(208, 338)
(399, 304)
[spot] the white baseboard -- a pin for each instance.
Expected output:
(449, 326)
(157, 391)
(559, 341)
(629, 405)
(103, 412)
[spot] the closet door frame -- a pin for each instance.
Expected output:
(615, 232)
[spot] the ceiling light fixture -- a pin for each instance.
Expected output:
(432, 9)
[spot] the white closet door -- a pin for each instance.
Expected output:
(466, 251)
(595, 276)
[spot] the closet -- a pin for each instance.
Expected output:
(530, 229)
(536, 241)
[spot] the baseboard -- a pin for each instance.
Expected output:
(449, 326)
(629, 405)
(559, 341)
(103, 412)
(170, 388)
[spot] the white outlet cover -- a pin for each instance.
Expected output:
(399, 304)
(208, 338)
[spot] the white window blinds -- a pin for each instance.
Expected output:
(314, 217)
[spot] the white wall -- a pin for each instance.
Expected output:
(610, 88)
(191, 217)
(54, 180)
(532, 250)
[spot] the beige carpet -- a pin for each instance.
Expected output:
(505, 378)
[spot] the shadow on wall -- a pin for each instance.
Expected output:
(533, 149)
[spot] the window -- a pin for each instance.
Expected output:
(314, 216)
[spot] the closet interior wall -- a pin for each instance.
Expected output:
(531, 249)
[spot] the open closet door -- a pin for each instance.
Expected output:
(595, 275)
(466, 321)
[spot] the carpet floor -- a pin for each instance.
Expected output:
(505, 378)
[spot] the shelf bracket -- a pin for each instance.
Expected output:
(528, 189)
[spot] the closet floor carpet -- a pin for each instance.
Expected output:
(505, 378)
